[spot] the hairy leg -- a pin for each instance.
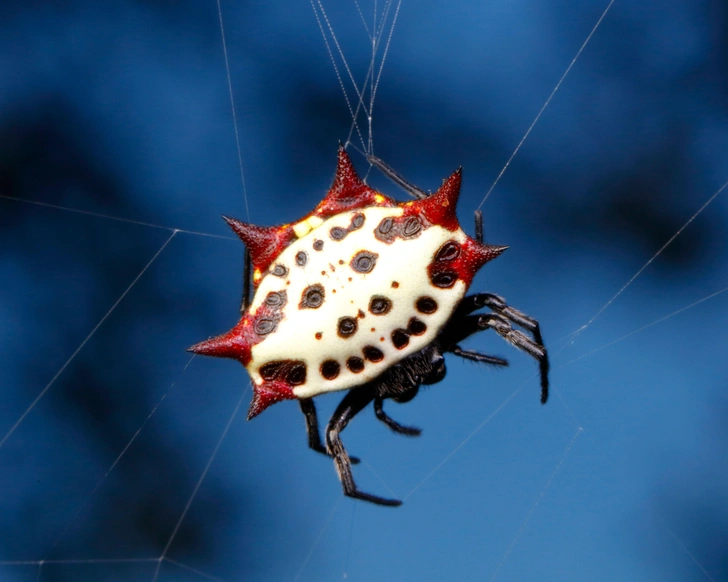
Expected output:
(393, 424)
(355, 400)
(312, 428)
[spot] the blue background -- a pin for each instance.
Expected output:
(122, 108)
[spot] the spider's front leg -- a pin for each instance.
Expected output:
(503, 328)
(463, 325)
(498, 305)
(350, 406)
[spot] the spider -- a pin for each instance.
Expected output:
(364, 294)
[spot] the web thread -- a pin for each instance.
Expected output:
(380, 31)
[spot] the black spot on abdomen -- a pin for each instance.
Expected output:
(338, 233)
(373, 354)
(270, 370)
(347, 327)
(312, 297)
(364, 262)
(330, 369)
(448, 252)
(400, 338)
(264, 326)
(355, 364)
(380, 305)
(426, 305)
(391, 228)
(296, 374)
(441, 274)
(411, 227)
(280, 270)
(416, 327)
(291, 371)
(276, 298)
(385, 225)
(444, 279)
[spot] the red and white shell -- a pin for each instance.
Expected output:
(359, 284)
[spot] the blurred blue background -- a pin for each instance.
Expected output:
(122, 108)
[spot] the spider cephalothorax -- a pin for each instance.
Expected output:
(363, 294)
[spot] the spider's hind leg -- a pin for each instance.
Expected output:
(354, 401)
(391, 423)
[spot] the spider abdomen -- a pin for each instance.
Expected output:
(350, 290)
(357, 304)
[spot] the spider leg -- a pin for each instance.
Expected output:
(312, 428)
(393, 424)
(514, 337)
(499, 305)
(354, 401)
(466, 325)
(388, 171)
(478, 357)
(247, 281)
(508, 314)
(479, 226)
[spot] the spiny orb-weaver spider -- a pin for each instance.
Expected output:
(364, 294)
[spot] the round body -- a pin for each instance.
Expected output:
(355, 297)
(350, 290)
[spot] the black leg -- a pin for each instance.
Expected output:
(514, 337)
(396, 178)
(503, 314)
(478, 357)
(247, 281)
(393, 424)
(466, 325)
(498, 305)
(354, 401)
(479, 226)
(312, 428)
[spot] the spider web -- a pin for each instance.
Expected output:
(169, 483)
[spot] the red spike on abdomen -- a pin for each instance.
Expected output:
(234, 344)
(440, 208)
(460, 262)
(268, 393)
(347, 191)
(265, 243)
